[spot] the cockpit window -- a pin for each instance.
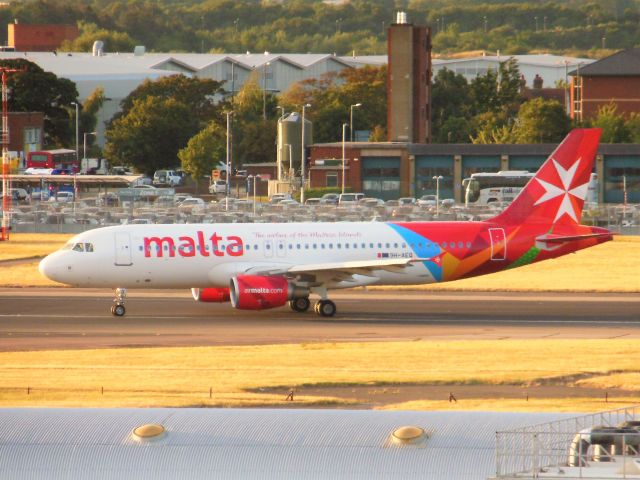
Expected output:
(88, 247)
(68, 245)
(78, 247)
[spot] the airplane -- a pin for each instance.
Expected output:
(261, 266)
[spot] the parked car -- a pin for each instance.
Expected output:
(19, 194)
(218, 186)
(312, 201)
(407, 201)
(278, 197)
(329, 199)
(39, 195)
(166, 177)
(350, 198)
(146, 191)
(62, 197)
(427, 201)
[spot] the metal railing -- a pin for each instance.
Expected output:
(527, 451)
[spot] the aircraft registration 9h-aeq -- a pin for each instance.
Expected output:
(260, 266)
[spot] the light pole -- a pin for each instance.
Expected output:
(264, 90)
(77, 130)
(351, 119)
(283, 112)
(437, 179)
(344, 136)
(302, 162)
(84, 143)
(228, 186)
(255, 180)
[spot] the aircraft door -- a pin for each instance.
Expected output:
(498, 244)
(123, 249)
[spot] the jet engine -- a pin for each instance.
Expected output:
(210, 295)
(255, 292)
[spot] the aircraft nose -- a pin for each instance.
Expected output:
(51, 267)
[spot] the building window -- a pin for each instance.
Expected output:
(332, 179)
(31, 135)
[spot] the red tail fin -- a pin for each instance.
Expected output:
(557, 193)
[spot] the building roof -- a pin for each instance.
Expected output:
(234, 443)
(621, 64)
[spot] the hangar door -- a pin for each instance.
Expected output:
(381, 177)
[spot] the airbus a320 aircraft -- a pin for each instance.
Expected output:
(260, 266)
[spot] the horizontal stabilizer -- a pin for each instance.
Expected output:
(552, 238)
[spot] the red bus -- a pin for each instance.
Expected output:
(60, 159)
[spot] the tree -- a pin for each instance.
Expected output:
(614, 127)
(196, 93)
(332, 95)
(204, 151)
(34, 90)
(541, 121)
(151, 134)
(88, 115)
(450, 107)
(90, 32)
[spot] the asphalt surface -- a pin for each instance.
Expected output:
(58, 318)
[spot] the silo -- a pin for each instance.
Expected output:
(290, 143)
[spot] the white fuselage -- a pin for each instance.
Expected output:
(209, 255)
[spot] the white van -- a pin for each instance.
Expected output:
(350, 198)
(167, 177)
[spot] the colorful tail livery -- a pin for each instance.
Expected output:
(260, 266)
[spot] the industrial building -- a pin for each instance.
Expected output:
(198, 443)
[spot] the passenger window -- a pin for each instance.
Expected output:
(386, 245)
(338, 245)
(346, 245)
(78, 247)
(395, 245)
(443, 244)
(331, 245)
(452, 244)
(460, 244)
(468, 244)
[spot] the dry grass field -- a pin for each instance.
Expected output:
(236, 375)
(610, 267)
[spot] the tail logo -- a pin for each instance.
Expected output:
(568, 204)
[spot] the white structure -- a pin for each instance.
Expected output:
(269, 443)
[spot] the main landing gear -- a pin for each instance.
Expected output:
(117, 309)
(323, 307)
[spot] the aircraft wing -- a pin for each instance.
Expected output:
(342, 269)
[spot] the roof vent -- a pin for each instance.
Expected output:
(150, 431)
(401, 18)
(98, 48)
(408, 435)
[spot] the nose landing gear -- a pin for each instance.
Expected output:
(117, 309)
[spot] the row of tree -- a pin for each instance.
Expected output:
(510, 26)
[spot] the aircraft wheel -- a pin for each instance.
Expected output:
(325, 308)
(300, 304)
(118, 310)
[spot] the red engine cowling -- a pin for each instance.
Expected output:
(254, 292)
(211, 295)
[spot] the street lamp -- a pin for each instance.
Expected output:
(281, 108)
(302, 168)
(228, 186)
(344, 136)
(351, 119)
(84, 143)
(254, 180)
(77, 130)
(437, 179)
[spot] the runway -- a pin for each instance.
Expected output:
(59, 318)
